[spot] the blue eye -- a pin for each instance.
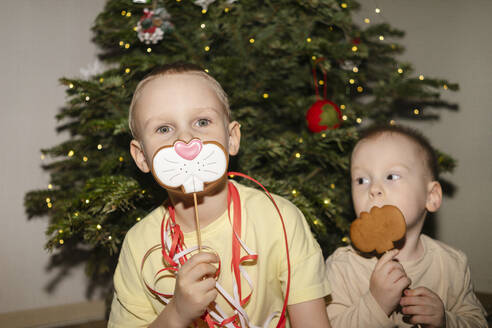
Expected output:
(362, 180)
(163, 129)
(203, 122)
(393, 177)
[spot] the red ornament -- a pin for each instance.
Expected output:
(323, 115)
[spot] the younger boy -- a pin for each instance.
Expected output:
(182, 102)
(425, 282)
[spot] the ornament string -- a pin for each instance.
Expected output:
(197, 222)
(315, 79)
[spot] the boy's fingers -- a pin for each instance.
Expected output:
(201, 270)
(202, 257)
(388, 256)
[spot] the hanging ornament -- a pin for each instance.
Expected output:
(153, 25)
(323, 114)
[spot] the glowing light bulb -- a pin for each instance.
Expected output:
(332, 186)
(392, 122)
(294, 192)
(138, 219)
(98, 227)
(321, 82)
(358, 120)
(327, 201)
(61, 241)
(313, 57)
(323, 135)
(266, 95)
(87, 98)
(101, 80)
(207, 48)
(355, 69)
(149, 49)
(360, 89)
(342, 106)
(416, 111)
(99, 147)
(400, 71)
(421, 77)
(351, 81)
(381, 38)
(127, 45)
(445, 87)
(85, 158)
(345, 239)
(202, 25)
(377, 11)
(127, 70)
(204, 11)
(308, 40)
(121, 159)
(251, 40)
(70, 85)
(71, 153)
(343, 5)
(344, 117)
(298, 155)
(367, 20)
(354, 48)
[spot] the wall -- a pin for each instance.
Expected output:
(45, 40)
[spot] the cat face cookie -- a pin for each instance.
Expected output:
(191, 166)
(378, 230)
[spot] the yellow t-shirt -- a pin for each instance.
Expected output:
(442, 269)
(134, 306)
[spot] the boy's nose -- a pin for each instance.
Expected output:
(186, 136)
(376, 190)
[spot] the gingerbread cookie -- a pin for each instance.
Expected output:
(378, 230)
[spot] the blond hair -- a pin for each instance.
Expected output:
(175, 68)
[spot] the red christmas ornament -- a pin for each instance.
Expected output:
(323, 114)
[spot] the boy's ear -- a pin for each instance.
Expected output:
(434, 196)
(234, 137)
(139, 156)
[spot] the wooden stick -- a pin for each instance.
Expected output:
(197, 221)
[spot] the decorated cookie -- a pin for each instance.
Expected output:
(189, 166)
(378, 230)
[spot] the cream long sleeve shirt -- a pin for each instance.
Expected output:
(442, 269)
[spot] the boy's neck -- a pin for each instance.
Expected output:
(413, 249)
(211, 205)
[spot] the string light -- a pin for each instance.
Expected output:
(327, 201)
(392, 122)
(76, 214)
(87, 98)
(87, 201)
(294, 192)
(308, 40)
(226, 9)
(98, 227)
(99, 147)
(60, 231)
(123, 13)
(332, 186)
(206, 70)
(101, 80)
(445, 87)
(316, 222)
(121, 43)
(321, 82)
(129, 14)
(345, 239)
(202, 25)
(354, 48)
(138, 219)
(127, 70)
(367, 20)
(109, 238)
(127, 45)
(71, 153)
(355, 69)
(149, 49)
(301, 140)
(50, 205)
(323, 135)
(313, 58)
(358, 120)
(61, 241)
(204, 11)
(70, 85)
(50, 186)
(42, 157)
(266, 95)
(351, 81)
(400, 71)
(298, 155)
(343, 5)
(207, 48)
(381, 38)
(416, 111)
(360, 89)
(344, 117)
(377, 11)
(135, 28)
(342, 106)
(85, 158)
(48, 200)
(121, 158)
(251, 40)
(421, 77)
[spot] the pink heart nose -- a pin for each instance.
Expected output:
(188, 150)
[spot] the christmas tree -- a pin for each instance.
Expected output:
(275, 59)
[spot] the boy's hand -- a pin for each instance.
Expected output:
(424, 307)
(388, 280)
(195, 287)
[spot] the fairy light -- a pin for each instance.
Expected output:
(50, 186)
(345, 239)
(98, 227)
(316, 222)
(251, 40)
(206, 70)
(360, 89)
(344, 117)
(308, 40)
(381, 38)
(127, 45)
(128, 14)
(121, 159)
(392, 122)
(367, 20)
(143, 191)
(109, 238)
(85, 158)
(202, 25)
(421, 77)
(123, 13)
(351, 81)
(135, 28)
(301, 140)
(266, 95)
(42, 157)
(294, 192)
(71, 153)
(101, 80)
(70, 85)
(99, 147)
(87, 201)
(204, 11)
(321, 82)
(48, 200)
(343, 5)
(61, 241)
(298, 155)
(127, 70)
(138, 219)
(313, 58)
(207, 48)
(60, 231)
(76, 214)
(327, 201)
(400, 71)
(149, 49)
(355, 69)
(354, 48)
(416, 111)
(332, 186)
(50, 205)
(358, 120)
(323, 135)
(377, 11)
(226, 9)
(87, 98)
(121, 43)
(445, 87)
(342, 106)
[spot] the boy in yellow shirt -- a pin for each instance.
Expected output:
(426, 282)
(182, 102)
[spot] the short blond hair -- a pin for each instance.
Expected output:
(175, 68)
